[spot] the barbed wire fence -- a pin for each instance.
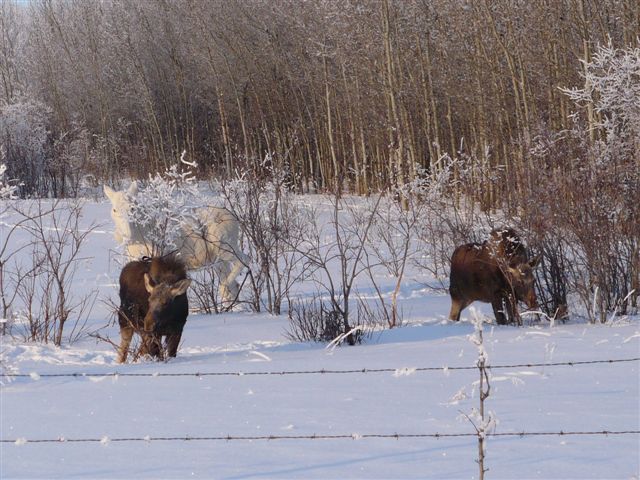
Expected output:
(444, 368)
(351, 436)
(347, 436)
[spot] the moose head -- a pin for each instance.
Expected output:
(522, 281)
(162, 306)
(120, 209)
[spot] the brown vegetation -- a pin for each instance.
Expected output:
(354, 94)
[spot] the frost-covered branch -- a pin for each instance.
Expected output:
(164, 204)
(6, 191)
(482, 421)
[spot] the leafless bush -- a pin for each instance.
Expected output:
(204, 292)
(315, 320)
(46, 161)
(392, 245)
(25, 139)
(348, 228)
(11, 274)
(552, 280)
(583, 220)
(49, 308)
(273, 227)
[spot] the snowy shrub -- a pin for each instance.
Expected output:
(273, 226)
(44, 162)
(612, 88)
(47, 309)
(392, 244)
(6, 191)
(164, 203)
(204, 290)
(582, 207)
(24, 135)
(72, 151)
(335, 249)
(313, 320)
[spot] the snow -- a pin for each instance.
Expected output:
(403, 399)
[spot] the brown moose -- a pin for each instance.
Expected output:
(497, 272)
(153, 303)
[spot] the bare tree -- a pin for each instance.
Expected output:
(272, 225)
(349, 229)
(392, 241)
(50, 308)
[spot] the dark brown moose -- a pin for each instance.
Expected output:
(497, 272)
(153, 303)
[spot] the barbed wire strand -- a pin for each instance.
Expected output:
(352, 436)
(37, 376)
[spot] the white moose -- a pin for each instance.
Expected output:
(212, 240)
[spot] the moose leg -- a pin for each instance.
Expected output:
(499, 310)
(222, 270)
(229, 267)
(172, 343)
(511, 307)
(126, 334)
(239, 261)
(457, 306)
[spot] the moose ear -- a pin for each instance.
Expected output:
(108, 191)
(180, 287)
(133, 188)
(148, 283)
(535, 261)
(513, 272)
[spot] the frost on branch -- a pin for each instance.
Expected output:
(24, 135)
(612, 88)
(458, 397)
(430, 186)
(164, 204)
(6, 191)
(482, 422)
(477, 320)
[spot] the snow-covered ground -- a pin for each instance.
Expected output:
(404, 401)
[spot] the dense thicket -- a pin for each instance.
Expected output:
(528, 107)
(355, 93)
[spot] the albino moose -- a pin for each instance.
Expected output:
(497, 272)
(213, 239)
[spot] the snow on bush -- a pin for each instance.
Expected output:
(273, 226)
(6, 191)
(164, 203)
(24, 135)
(612, 87)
